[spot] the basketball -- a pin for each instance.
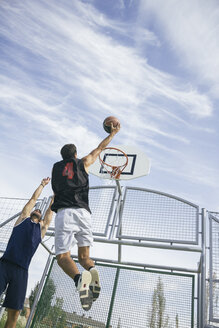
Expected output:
(107, 123)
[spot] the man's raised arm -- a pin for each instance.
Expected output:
(91, 158)
(32, 201)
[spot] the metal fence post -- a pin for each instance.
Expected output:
(113, 298)
(210, 270)
(198, 300)
(203, 270)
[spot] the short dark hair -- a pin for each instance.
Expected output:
(68, 151)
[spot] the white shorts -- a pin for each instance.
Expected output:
(72, 225)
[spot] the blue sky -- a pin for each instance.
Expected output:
(66, 65)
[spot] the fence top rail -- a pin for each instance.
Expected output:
(16, 198)
(102, 187)
(9, 219)
(179, 271)
(171, 246)
(213, 217)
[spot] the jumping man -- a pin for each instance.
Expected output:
(73, 219)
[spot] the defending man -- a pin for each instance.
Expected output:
(26, 235)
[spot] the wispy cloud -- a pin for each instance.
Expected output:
(75, 52)
(65, 67)
(191, 28)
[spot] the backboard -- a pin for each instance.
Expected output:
(138, 164)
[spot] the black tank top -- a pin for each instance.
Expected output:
(70, 184)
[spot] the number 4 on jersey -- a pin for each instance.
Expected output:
(68, 170)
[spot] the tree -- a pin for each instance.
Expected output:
(153, 314)
(33, 294)
(177, 321)
(56, 315)
(119, 323)
(44, 304)
(214, 286)
(157, 318)
(23, 312)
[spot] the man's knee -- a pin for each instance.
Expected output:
(83, 254)
(82, 257)
(62, 258)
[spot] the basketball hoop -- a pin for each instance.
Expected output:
(113, 161)
(138, 164)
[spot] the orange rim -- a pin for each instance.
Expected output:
(116, 170)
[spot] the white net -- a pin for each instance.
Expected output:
(113, 161)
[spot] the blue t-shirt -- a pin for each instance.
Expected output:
(23, 243)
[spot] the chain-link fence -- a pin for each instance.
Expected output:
(131, 295)
(149, 215)
(129, 298)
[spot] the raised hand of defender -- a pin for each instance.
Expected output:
(45, 181)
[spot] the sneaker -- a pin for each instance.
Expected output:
(86, 297)
(95, 283)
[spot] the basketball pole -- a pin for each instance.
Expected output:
(119, 187)
(120, 195)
